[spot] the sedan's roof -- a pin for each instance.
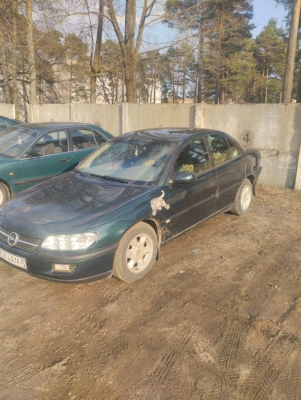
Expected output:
(41, 126)
(10, 120)
(173, 134)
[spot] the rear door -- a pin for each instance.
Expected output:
(229, 165)
(192, 202)
(55, 159)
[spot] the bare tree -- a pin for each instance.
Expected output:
(130, 46)
(31, 54)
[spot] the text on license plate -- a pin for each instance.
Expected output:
(15, 260)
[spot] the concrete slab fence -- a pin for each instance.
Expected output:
(275, 129)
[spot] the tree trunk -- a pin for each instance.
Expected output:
(291, 53)
(299, 86)
(14, 58)
(200, 66)
(31, 55)
(7, 93)
(130, 66)
(95, 61)
(219, 56)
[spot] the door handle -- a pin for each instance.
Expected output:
(65, 159)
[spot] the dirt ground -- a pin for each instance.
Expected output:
(218, 317)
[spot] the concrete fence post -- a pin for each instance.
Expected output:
(124, 118)
(30, 113)
(71, 112)
(298, 177)
(199, 115)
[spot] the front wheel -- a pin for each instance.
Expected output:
(243, 198)
(4, 194)
(136, 253)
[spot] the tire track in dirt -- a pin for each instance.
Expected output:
(268, 366)
(290, 378)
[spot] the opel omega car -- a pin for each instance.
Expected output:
(31, 153)
(112, 213)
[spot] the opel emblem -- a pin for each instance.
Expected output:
(12, 239)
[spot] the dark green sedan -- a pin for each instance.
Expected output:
(31, 153)
(112, 213)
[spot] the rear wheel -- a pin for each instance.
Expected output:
(4, 194)
(136, 253)
(243, 198)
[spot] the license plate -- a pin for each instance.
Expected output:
(11, 258)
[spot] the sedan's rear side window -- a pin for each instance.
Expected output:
(235, 151)
(85, 139)
(193, 158)
(219, 148)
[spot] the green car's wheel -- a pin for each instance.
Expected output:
(136, 253)
(4, 194)
(243, 198)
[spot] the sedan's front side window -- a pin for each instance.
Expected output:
(193, 158)
(52, 143)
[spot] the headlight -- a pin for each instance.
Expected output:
(70, 242)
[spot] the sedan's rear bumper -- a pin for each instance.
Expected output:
(90, 265)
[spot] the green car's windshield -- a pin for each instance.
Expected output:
(15, 140)
(135, 161)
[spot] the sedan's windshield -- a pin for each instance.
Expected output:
(15, 140)
(135, 161)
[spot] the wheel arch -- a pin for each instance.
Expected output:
(156, 227)
(7, 187)
(252, 179)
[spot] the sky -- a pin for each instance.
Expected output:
(158, 35)
(264, 10)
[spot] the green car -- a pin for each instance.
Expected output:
(32, 153)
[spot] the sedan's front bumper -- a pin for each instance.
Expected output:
(90, 265)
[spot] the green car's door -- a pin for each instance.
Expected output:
(54, 159)
(84, 141)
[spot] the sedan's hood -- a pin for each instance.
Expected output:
(66, 204)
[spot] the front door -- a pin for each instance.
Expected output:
(192, 202)
(55, 159)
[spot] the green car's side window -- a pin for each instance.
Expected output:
(86, 139)
(52, 143)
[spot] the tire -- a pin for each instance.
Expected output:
(133, 260)
(4, 194)
(243, 198)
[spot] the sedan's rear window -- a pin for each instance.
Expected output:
(14, 141)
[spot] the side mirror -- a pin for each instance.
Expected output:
(184, 177)
(33, 153)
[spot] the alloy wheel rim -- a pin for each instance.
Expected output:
(246, 197)
(139, 253)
